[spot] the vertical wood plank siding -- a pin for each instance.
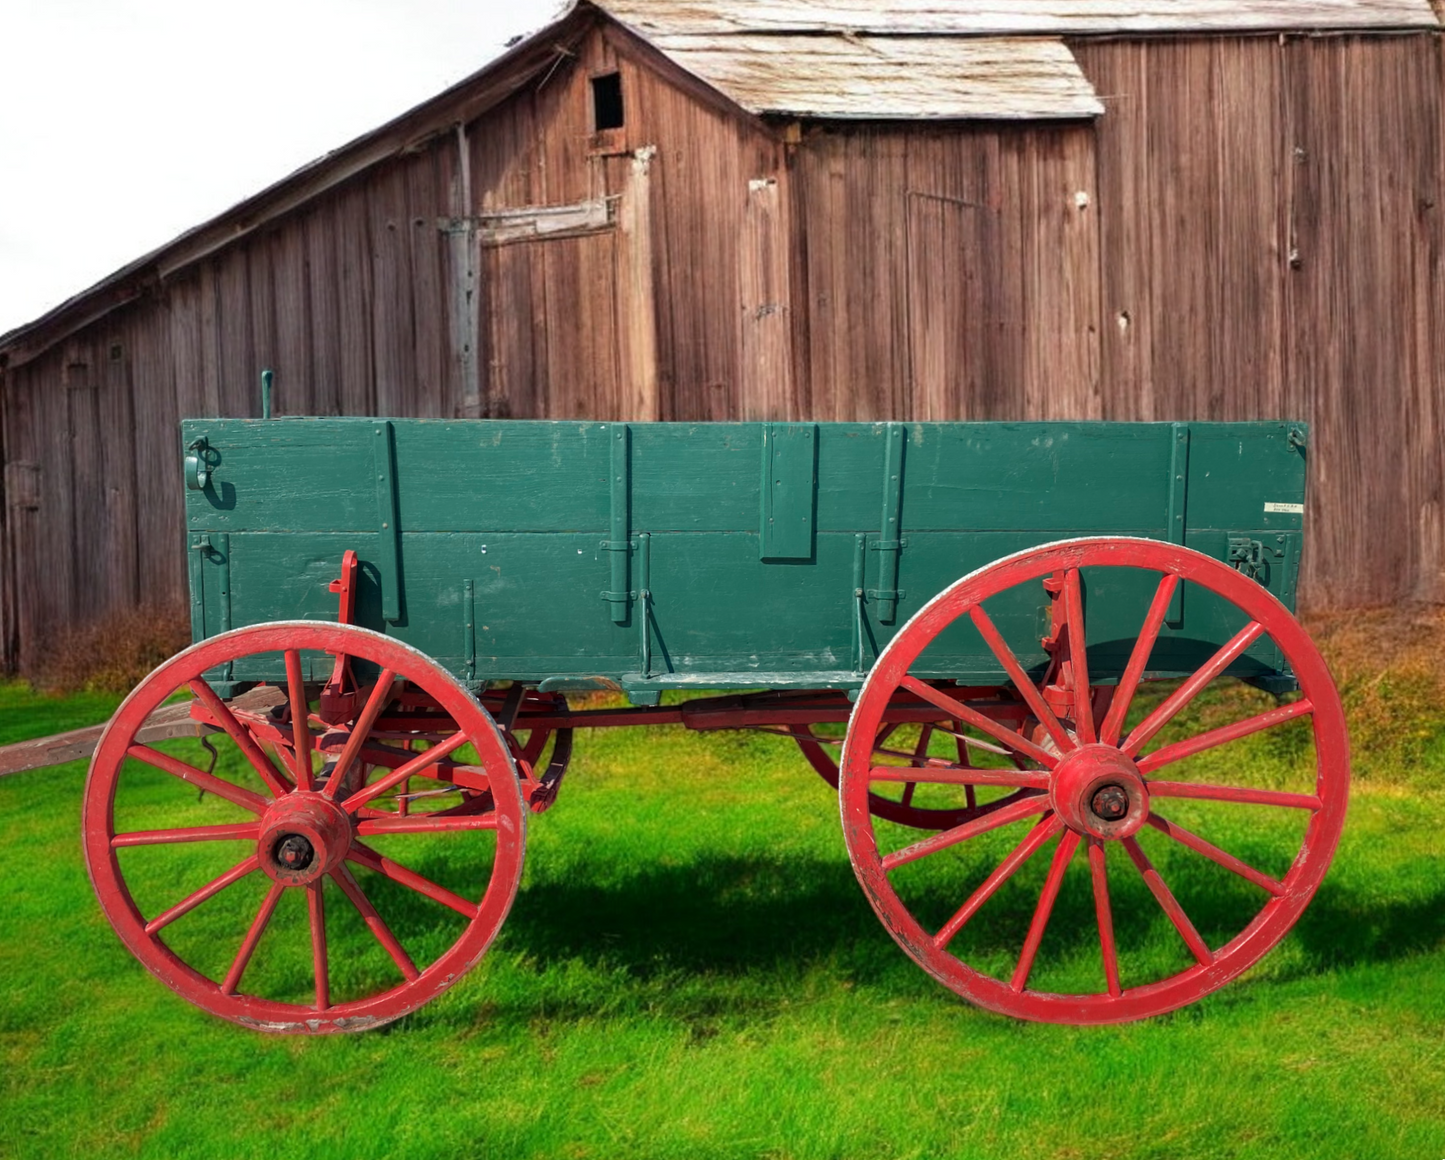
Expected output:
(1271, 245)
(1253, 229)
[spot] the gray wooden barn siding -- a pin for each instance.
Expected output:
(1253, 229)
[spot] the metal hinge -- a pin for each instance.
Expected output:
(619, 596)
(1252, 557)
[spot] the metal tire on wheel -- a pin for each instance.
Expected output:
(1088, 783)
(299, 826)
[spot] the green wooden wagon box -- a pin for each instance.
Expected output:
(1041, 638)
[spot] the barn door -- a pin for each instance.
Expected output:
(550, 325)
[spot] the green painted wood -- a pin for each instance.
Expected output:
(505, 533)
(1176, 528)
(890, 535)
(787, 489)
(618, 544)
(388, 546)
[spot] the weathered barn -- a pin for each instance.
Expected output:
(713, 209)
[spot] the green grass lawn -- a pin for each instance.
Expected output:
(690, 970)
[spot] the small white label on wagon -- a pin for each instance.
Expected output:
(1295, 509)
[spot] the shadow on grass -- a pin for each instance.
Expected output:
(737, 916)
(1341, 928)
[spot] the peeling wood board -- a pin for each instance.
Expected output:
(536, 222)
(890, 77)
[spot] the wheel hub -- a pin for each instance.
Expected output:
(1098, 792)
(304, 836)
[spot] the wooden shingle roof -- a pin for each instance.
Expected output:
(1014, 17)
(892, 78)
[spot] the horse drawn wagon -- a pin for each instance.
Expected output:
(1045, 640)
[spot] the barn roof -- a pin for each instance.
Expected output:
(830, 59)
(712, 18)
(889, 77)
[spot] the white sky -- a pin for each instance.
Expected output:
(125, 122)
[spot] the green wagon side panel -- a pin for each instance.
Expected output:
(518, 529)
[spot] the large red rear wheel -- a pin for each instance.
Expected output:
(288, 894)
(1091, 778)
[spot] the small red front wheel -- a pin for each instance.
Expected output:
(288, 881)
(1093, 932)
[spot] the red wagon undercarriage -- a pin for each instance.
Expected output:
(411, 752)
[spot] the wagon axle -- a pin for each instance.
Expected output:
(344, 757)
(294, 852)
(1110, 802)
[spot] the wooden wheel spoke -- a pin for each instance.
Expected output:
(374, 922)
(235, 794)
(1104, 913)
(422, 762)
(906, 682)
(1186, 692)
(1068, 843)
(242, 832)
(1001, 733)
(1240, 795)
(273, 779)
(1216, 855)
(426, 824)
(1170, 905)
(920, 751)
(1026, 688)
(380, 697)
(961, 775)
(1078, 656)
(1047, 827)
(1138, 659)
(253, 937)
(316, 911)
(1190, 746)
(1012, 812)
(208, 891)
(903, 755)
(462, 776)
(411, 694)
(365, 856)
(300, 720)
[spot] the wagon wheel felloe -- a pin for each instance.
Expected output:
(320, 918)
(1093, 785)
(914, 746)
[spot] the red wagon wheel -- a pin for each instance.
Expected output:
(914, 747)
(1087, 781)
(266, 942)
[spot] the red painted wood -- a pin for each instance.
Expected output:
(501, 826)
(1117, 999)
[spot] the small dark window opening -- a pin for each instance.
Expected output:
(607, 102)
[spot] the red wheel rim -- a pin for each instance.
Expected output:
(1057, 790)
(900, 810)
(302, 837)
